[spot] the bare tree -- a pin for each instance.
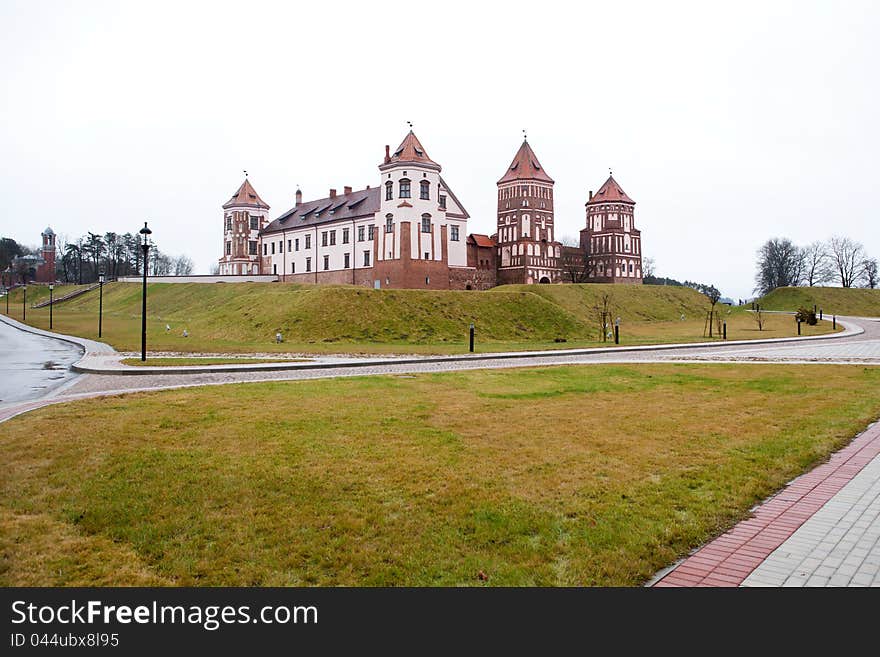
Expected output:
(780, 264)
(182, 265)
(648, 267)
(602, 308)
(817, 264)
(758, 315)
(575, 267)
(869, 273)
(847, 258)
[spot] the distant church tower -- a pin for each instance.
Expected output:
(244, 215)
(46, 271)
(527, 248)
(611, 239)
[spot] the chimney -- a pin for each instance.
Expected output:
(591, 194)
(299, 196)
(332, 193)
(346, 189)
(387, 153)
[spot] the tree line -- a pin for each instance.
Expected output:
(840, 260)
(82, 260)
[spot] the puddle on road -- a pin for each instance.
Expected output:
(52, 365)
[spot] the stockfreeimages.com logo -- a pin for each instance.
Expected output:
(210, 617)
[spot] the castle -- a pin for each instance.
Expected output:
(36, 268)
(410, 231)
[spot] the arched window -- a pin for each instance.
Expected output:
(425, 190)
(389, 223)
(426, 223)
(389, 190)
(404, 188)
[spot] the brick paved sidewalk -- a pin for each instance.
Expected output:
(824, 519)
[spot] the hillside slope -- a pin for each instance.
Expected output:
(633, 303)
(832, 300)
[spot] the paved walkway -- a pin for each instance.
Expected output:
(822, 529)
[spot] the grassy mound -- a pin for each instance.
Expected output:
(633, 303)
(832, 300)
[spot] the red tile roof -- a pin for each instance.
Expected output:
(610, 192)
(246, 196)
(482, 240)
(411, 150)
(525, 166)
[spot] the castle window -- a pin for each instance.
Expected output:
(254, 224)
(228, 223)
(425, 190)
(453, 234)
(289, 246)
(273, 248)
(347, 263)
(371, 231)
(228, 248)
(366, 258)
(404, 188)
(252, 247)
(292, 267)
(427, 256)
(389, 223)
(308, 241)
(332, 238)
(426, 223)
(308, 264)
(345, 235)
(326, 262)
(265, 249)
(275, 269)
(389, 190)
(296, 244)
(324, 238)
(442, 201)
(360, 233)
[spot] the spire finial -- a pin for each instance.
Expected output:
(525, 135)
(610, 172)
(409, 123)
(245, 173)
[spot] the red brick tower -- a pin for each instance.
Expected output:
(46, 272)
(612, 241)
(527, 250)
(244, 216)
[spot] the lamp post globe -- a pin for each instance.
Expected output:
(145, 232)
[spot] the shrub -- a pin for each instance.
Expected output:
(807, 315)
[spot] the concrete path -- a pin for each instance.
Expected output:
(820, 530)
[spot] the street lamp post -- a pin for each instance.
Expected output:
(24, 303)
(145, 246)
(51, 287)
(100, 301)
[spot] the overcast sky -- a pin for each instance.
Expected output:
(728, 123)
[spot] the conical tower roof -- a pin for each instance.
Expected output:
(525, 166)
(610, 192)
(246, 196)
(410, 150)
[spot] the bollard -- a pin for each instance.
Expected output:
(820, 315)
(799, 326)
(724, 331)
(472, 337)
(617, 331)
(834, 322)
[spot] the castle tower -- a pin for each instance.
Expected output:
(244, 216)
(421, 231)
(46, 272)
(527, 249)
(611, 240)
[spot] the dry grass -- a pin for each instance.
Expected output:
(554, 476)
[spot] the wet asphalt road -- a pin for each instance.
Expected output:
(31, 365)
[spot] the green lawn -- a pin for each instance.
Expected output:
(594, 475)
(832, 300)
(186, 362)
(244, 318)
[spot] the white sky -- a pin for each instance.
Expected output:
(728, 123)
